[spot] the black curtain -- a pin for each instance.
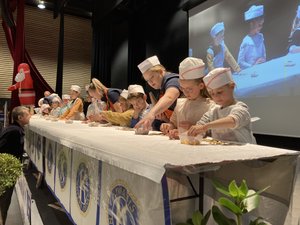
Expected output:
(60, 56)
(136, 48)
(101, 55)
(151, 31)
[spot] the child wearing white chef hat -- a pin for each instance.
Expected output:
(217, 52)
(117, 118)
(55, 105)
(75, 110)
(65, 103)
(230, 119)
(294, 38)
(252, 49)
(123, 100)
(190, 109)
(137, 98)
(166, 82)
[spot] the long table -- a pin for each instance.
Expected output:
(106, 175)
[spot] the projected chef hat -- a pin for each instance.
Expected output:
(135, 88)
(124, 93)
(218, 27)
(254, 12)
(148, 63)
(298, 12)
(191, 68)
(76, 88)
(217, 78)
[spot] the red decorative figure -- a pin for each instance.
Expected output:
(24, 84)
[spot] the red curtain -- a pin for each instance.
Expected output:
(15, 38)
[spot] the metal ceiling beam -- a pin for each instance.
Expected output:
(58, 6)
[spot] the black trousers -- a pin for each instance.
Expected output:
(4, 204)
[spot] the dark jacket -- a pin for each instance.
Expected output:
(12, 140)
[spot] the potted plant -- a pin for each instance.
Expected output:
(10, 170)
(239, 200)
(197, 219)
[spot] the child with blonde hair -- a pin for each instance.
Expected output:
(75, 110)
(167, 84)
(230, 119)
(111, 95)
(190, 109)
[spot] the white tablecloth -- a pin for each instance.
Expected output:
(146, 155)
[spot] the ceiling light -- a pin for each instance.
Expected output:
(41, 5)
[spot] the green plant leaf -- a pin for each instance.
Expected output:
(233, 189)
(197, 218)
(220, 218)
(243, 189)
(206, 218)
(227, 203)
(221, 188)
(10, 170)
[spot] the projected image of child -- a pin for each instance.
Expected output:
(252, 50)
(294, 46)
(218, 52)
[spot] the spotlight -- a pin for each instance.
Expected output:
(41, 5)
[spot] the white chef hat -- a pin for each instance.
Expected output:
(254, 12)
(40, 102)
(135, 88)
(56, 99)
(44, 107)
(148, 63)
(66, 97)
(217, 78)
(191, 68)
(124, 93)
(76, 88)
(298, 12)
(218, 27)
